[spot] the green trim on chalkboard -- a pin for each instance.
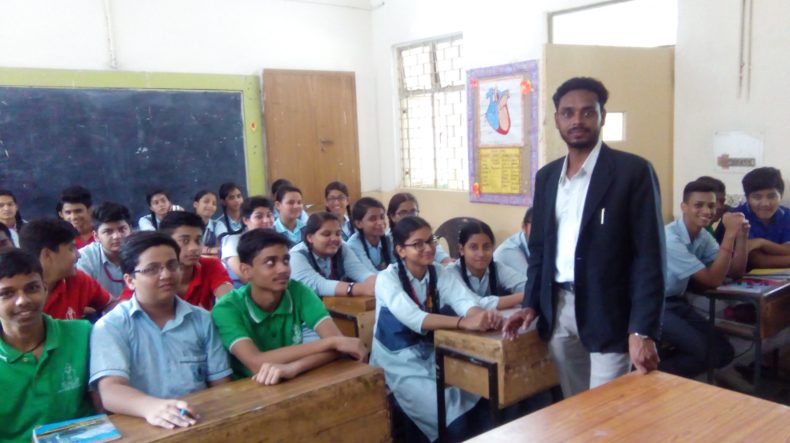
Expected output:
(248, 85)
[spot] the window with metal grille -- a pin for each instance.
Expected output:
(433, 114)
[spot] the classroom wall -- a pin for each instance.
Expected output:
(199, 36)
(706, 86)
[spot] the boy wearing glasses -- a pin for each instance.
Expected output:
(101, 259)
(203, 279)
(261, 323)
(155, 347)
(72, 293)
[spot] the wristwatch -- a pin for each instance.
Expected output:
(642, 336)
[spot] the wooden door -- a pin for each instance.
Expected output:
(641, 86)
(310, 120)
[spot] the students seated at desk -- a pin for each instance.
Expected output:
(43, 361)
(74, 206)
(769, 236)
(288, 203)
(409, 294)
(498, 286)
(202, 280)
(101, 259)
(72, 293)
(231, 198)
(256, 212)
(514, 251)
(404, 204)
(261, 323)
(327, 265)
(6, 243)
(10, 214)
(156, 347)
(370, 242)
(159, 204)
(205, 204)
(695, 259)
(336, 199)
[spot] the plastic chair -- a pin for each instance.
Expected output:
(449, 232)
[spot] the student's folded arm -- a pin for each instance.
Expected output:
(510, 301)
(252, 358)
(760, 259)
(772, 248)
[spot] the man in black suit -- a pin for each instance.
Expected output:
(597, 254)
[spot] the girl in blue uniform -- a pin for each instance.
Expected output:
(409, 294)
(404, 204)
(159, 205)
(499, 286)
(205, 205)
(327, 265)
(288, 203)
(231, 198)
(371, 243)
(336, 199)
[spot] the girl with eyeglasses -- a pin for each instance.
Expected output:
(337, 202)
(409, 295)
(404, 204)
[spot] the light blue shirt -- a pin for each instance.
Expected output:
(373, 262)
(230, 245)
(95, 263)
(235, 225)
(507, 279)
(302, 271)
(145, 223)
(345, 225)
(212, 232)
(408, 371)
(178, 359)
(295, 236)
(513, 253)
(686, 257)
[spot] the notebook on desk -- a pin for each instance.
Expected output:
(752, 285)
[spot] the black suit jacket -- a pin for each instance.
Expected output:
(619, 268)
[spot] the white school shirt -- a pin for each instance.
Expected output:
(513, 253)
(507, 279)
(569, 206)
(146, 222)
(302, 271)
(372, 262)
(409, 372)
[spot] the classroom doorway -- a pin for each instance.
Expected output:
(641, 102)
(310, 120)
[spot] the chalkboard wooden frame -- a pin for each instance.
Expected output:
(247, 86)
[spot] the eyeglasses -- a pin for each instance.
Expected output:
(342, 198)
(156, 269)
(420, 245)
(406, 213)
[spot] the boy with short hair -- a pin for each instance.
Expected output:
(156, 347)
(694, 257)
(43, 361)
(101, 259)
(769, 237)
(256, 212)
(71, 291)
(721, 200)
(261, 323)
(74, 206)
(203, 279)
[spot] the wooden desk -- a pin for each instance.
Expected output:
(342, 401)
(354, 316)
(773, 315)
(503, 371)
(651, 408)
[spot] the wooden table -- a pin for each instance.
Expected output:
(354, 316)
(342, 401)
(484, 363)
(773, 315)
(651, 408)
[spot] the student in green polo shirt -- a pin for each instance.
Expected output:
(43, 361)
(261, 323)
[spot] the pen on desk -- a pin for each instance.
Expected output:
(184, 413)
(603, 214)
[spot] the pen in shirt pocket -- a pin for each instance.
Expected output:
(603, 215)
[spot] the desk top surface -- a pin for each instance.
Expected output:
(243, 396)
(350, 305)
(655, 407)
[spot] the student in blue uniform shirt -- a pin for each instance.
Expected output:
(102, 258)
(370, 242)
(327, 265)
(514, 252)
(404, 204)
(498, 286)
(409, 294)
(159, 204)
(231, 198)
(336, 199)
(289, 205)
(205, 205)
(256, 212)
(276, 185)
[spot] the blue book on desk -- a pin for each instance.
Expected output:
(96, 428)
